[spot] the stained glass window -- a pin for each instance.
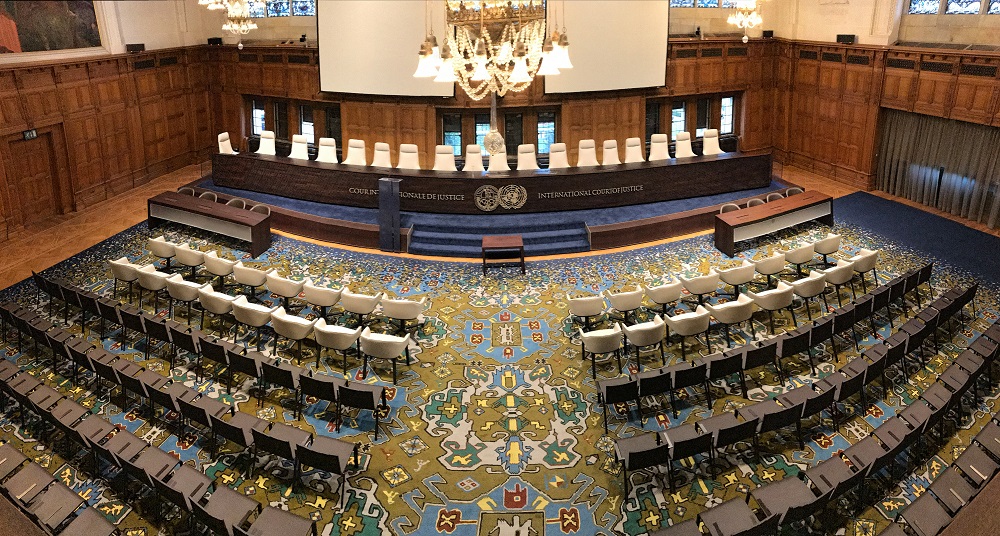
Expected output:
(924, 7)
(306, 126)
(257, 118)
(963, 7)
(678, 119)
(708, 3)
(726, 125)
(277, 8)
(303, 8)
(452, 124)
(681, 3)
(728, 3)
(258, 9)
(482, 129)
(994, 7)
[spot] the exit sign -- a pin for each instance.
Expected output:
(30, 134)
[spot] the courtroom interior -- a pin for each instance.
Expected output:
(499, 267)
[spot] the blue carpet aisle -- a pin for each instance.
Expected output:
(496, 422)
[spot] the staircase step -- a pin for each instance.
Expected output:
(499, 229)
(475, 239)
(452, 250)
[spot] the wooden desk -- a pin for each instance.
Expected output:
(503, 247)
(252, 227)
(743, 224)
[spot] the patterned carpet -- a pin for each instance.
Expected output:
(495, 426)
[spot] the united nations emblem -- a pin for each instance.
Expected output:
(487, 198)
(513, 196)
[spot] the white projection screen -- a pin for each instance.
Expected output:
(614, 44)
(371, 47)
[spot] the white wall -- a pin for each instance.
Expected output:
(966, 29)
(874, 22)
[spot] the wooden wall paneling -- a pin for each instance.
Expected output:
(274, 75)
(248, 72)
(935, 84)
(576, 123)
(976, 88)
(831, 71)
(203, 138)
(303, 82)
(39, 95)
(736, 68)
(682, 69)
(416, 124)
(710, 70)
(4, 196)
(83, 141)
(116, 148)
(899, 84)
(75, 93)
(11, 110)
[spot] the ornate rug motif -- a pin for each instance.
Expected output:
(494, 427)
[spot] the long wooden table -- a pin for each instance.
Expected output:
(507, 192)
(252, 227)
(743, 224)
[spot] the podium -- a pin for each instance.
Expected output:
(388, 214)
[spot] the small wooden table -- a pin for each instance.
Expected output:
(504, 247)
(743, 224)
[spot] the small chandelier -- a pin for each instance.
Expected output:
(238, 21)
(493, 46)
(213, 4)
(745, 17)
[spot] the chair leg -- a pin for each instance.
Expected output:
(770, 320)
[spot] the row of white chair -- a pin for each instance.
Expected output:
(444, 155)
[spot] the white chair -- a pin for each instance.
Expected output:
(799, 257)
(284, 287)
(225, 146)
(266, 145)
(736, 276)
(217, 303)
(710, 142)
(733, 313)
(322, 297)
(682, 146)
(249, 277)
(691, 323)
(382, 346)
(498, 162)
(123, 270)
(634, 151)
(701, 285)
(300, 148)
(664, 294)
(587, 308)
(356, 153)
(327, 151)
(159, 247)
(404, 311)
(150, 279)
(626, 303)
(557, 156)
(647, 334)
(774, 300)
(183, 291)
(409, 158)
(473, 158)
(192, 258)
(251, 315)
(526, 159)
(290, 327)
(770, 266)
(360, 305)
(809, 287)
(381, 158)
(587, 153)
(218, 267)
(826, 247)
(659, 147)
(840, 275)
(865, 262)
(444, 158)
(599, 342)
(337, 338)
(609, 154)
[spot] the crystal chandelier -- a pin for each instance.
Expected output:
(745, 17)
(493, 47)
(238, 21)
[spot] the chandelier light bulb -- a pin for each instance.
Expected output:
(548, 67)
(480, 73)
(520, 73)
(446, 73)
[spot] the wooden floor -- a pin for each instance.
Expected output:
(59, 238)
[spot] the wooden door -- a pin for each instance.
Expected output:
(34, 178)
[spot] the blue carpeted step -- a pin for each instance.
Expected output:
(457, 241)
